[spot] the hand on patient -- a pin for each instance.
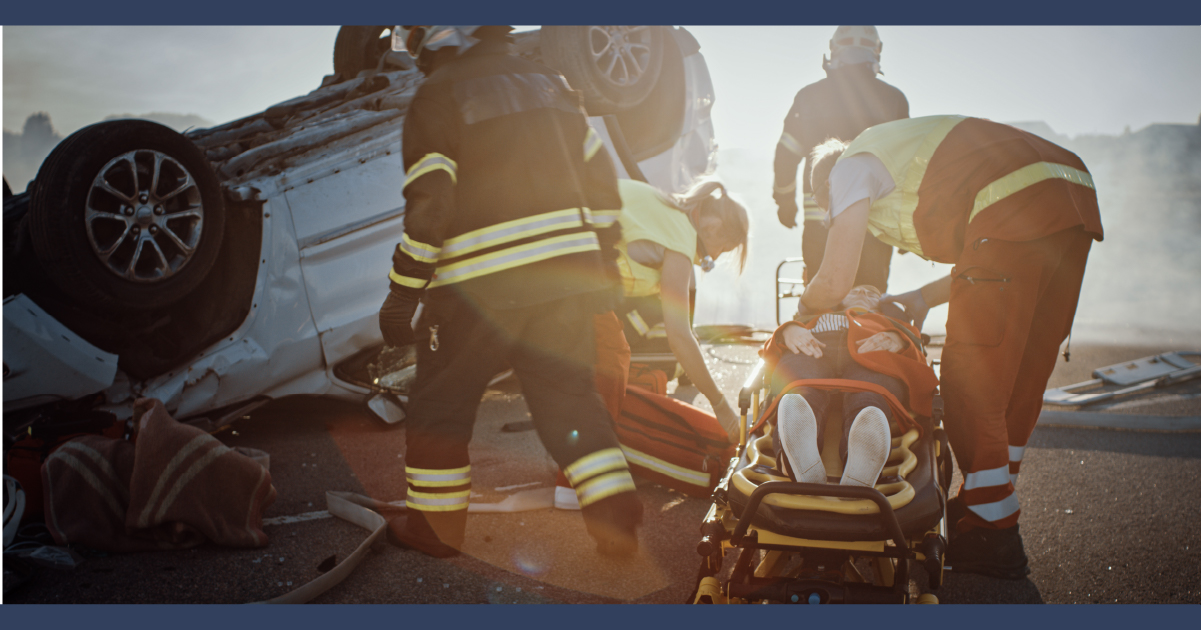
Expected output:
(800, 340)
(886, 341)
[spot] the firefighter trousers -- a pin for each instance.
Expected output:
(551, 348)
(1012, 305)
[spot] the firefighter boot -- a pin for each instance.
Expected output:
(994, 552)
(612, 522)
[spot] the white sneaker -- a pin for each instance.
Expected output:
(565, 496)
(798, 436)
(867, 448)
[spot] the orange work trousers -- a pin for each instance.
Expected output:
(1012, 305)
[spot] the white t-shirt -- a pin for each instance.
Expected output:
(861, 176)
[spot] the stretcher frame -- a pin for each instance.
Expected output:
(1139, 375)
(774, 568)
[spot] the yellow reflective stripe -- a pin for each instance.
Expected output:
(785, 189)
(464, 471)
(686, 475)
(813, 212)
(810, 201)
(405, 281)
(604, 486)
(592, 144)
(893, 223)
(638, 323)
(437, 501)
(602, 461)
(516, 257)
(429, 163)
(418, 251)
(509, 231)
(658, 331)
(605, 218)
(1025, 177)
(790, 143)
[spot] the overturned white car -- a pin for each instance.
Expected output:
(218, 269)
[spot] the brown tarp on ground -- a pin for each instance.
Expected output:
(174, 487)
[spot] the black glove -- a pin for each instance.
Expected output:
(395, 319)
(913, 303)
(787, 211)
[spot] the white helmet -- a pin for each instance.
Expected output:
(852, 45)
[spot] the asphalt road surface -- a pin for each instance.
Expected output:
(1109, 515)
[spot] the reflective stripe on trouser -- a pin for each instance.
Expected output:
(599, 475)
(813, 212)
(1012, 305)
(551, 347)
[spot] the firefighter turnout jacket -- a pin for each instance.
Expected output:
(842, 105)
(509, 194)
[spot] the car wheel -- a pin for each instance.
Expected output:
(615, 67)
(359, 48)
(126, 215)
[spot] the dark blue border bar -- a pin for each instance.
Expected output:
(1009, 12)
(599, 617)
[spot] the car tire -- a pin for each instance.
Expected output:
(614, 67)
(126, 215)
(359, 48)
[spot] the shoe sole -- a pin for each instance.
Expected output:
(868, 446)
(798, 436)
(566, 499)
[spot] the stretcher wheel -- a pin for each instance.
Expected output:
(927, 598)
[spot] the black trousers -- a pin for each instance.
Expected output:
(461, 346)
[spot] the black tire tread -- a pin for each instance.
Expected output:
(61, 246)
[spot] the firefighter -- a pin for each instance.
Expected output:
(505, 186)
(849, 100)
(1016, 216)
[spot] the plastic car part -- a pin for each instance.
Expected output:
(126, 215)
(615, 67)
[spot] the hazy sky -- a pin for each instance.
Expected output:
(1090, 79)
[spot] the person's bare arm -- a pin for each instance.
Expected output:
(837, 273)
(673, 293)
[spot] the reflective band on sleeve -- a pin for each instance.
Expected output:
(785, 189)
(406, 281)
(516, 257)
(998, 510)
(638, 323)
(1025, 177)
(592, 144)
(510, 231)
(811, 202)
(605, 218)
(1016, 453)
(790, 143)
(604, 486)
(602, 461)
(986, 478)
(430, 163)
(685, 475)
(437, 501)
(418, 251)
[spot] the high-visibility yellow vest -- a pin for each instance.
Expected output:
(906, 148)
(646, 215)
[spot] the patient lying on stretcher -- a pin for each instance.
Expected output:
(883, 372)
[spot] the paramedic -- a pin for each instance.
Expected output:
(849, 100)
(504, 178)
(852, 342)
(662, 237)
(1016, 216)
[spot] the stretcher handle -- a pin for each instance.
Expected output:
(887, 517)
(753, 383)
